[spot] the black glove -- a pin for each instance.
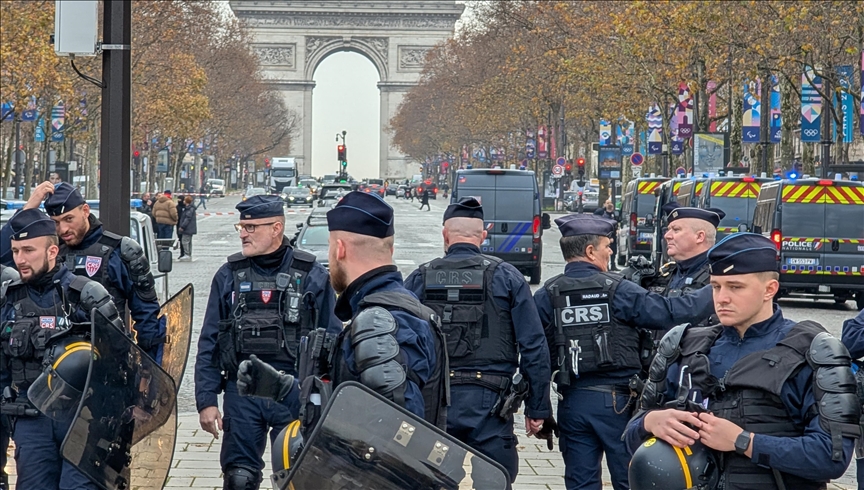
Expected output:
(549, 431)
(257, 378)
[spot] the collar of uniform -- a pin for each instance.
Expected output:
(350, 298)
(463, 248)
(93, 234)
(45, 281)
(693, 263)
(273, 259)
(580, 269)
(763, 328)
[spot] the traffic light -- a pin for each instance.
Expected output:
(342, 152)
(136, 158)
(267, 162)
(568, 167)
(580, 165)
(344, 164)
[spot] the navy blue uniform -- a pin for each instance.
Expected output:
(595, 408)
(414, 335)
(148, 326)
(807, 456)
(853, 339)
(468, 417)
(687, 270)
(246, 420)
(38, 439)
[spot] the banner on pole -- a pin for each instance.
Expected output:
(811, 106)
(776, 120)
(752, 109)
(684, 111)
(605, 132)
(654, 118)
(846, 104)
(58, 118)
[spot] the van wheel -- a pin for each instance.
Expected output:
(534, 278)
(859, 300)
(840, 300)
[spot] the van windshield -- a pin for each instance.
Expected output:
(738, 210)
(645, 204)
(283, 172)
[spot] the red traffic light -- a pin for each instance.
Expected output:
(568, 167)
(580, 162)
(136, 154)
(342, 152)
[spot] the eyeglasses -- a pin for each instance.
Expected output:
(251, 228)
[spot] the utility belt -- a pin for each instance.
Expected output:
(616, 390)
(512, 392)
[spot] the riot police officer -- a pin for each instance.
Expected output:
(591, 318)
(7, 276)
(853, 338)
(38, 311)
(262, 301)
(117, 262)
(773, 397)
(690, 233)
(492, 327)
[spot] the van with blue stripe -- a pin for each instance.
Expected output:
(511, 213)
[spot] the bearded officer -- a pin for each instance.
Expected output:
(776, 398)
(117, 262)
(591, 318)
(40, 307)
(492, 328)
(853, 339)
(262, 301)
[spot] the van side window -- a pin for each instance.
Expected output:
(763, 215)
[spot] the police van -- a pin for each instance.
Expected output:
(689, 192)
(511, 213)
(818, 228)
(635, 235)
(736, 196)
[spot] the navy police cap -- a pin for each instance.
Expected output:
(467, 207)
(31, 223)
(261, 207)
(675, 212)
(742, 253)
(64, 199)
(361, 213)
(586, 224)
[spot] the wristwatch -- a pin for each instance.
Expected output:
(742, 442)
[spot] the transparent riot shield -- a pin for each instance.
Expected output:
(177, 312)
(364, 441)
(123, 434)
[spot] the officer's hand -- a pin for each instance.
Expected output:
(717, 433)
(211, 420)
(672, 426)
(257, 378)
(39, 194)
(548, 431)
(533, 426)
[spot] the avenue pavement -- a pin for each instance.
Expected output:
(418, 240)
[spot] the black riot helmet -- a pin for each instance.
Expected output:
(57, 391)
(657, 465)
(285, 450)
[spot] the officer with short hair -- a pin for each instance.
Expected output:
(853, 338)
(492, 327)
(690, 232)
(117, 262)
(47, 305)
(591, 318)
(774, 397)
(262, 301)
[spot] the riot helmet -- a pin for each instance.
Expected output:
(285, 450)
(57, 391)
(657, 465)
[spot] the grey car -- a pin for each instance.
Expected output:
(313, 238)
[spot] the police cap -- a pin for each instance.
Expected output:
(261, 207)
(361, 213)
(742, 253)
(64, 199)
(676, 212)
(467, 207)
(585, 224)
(31, 223)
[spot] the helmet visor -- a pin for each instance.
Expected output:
(53, 396)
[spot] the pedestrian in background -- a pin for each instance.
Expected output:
(202, 199)
(165, 214)
(187, 227)
(181, 205)
(425, 199)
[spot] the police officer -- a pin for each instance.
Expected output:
(117, 262)
(853, 338)
(591, 319)
(262, 301)
(492, 327)
(772, 396)
(690, 233)
(36, 311)
(7, 276)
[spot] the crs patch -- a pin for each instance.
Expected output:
(48, 322)
(92, 265)
(584, 315)
(266, 295)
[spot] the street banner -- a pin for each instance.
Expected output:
(542, 143)
(58, 118)
(610, 162)
(752, 109)
(643, 142)
(684, 111)
(676, 142)
(553, 148)
(654, 118)
(30, 113)
(846, 103)
(605, 132)
(712, 106)
(811, 106)
(710, 152)
(39, 132)
(861, 115)
(530, 145)
(776, 119)
(624, 133)
(466, 157)
(502, 153)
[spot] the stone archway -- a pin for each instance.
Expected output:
(292, 37)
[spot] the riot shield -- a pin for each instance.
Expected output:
(364, 441)
(177, 312)
(124, 431)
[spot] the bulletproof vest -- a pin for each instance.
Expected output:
(586, 327)
(92, 262)
(477, 330)
(749, 396)
(25, 338)
(700, 280)
(270, 313)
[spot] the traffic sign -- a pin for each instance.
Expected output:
(637, 159)
(637, 171)
(681, 171)
(557, 170)
(560, 161)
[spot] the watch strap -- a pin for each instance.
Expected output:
(742, 442)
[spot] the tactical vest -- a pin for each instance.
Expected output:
(92, 262)
(585, 326)
(269, 313)
(25, 338)
(749, 396)
(477, 330)
(700, 280)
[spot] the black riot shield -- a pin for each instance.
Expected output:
(177, 312)
(124, 431)
(364, 441)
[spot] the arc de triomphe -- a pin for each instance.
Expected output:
(291, 37)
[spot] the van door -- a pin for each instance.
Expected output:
(801, 234)
(843, 242)
(515, 209)
(644, 201)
